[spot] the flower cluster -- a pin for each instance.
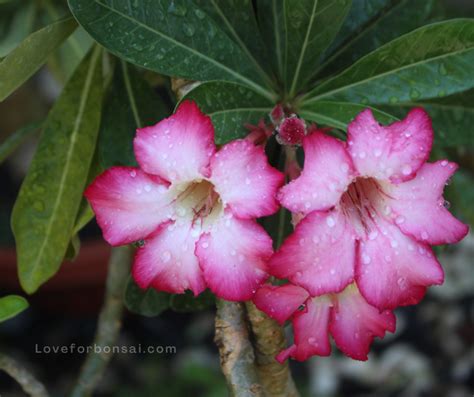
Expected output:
(366, 212)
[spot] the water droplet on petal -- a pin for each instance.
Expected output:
(406, 169)
(330, 221)
(166, 256)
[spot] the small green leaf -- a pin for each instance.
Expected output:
(433, 61)
(9, 145)
(73, 248)
(339, 114)
(298, 32)
(46, 208)
(231, 106)
(11, 305)
(175, 38)
(187, 302)
(147, 302)
(31, 54)
(130, 104)
(453, 118)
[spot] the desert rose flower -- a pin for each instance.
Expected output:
(371, 209)
(351, 321)
(193, 206)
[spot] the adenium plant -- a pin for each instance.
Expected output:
(193, 131)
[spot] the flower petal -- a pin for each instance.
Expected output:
(310, 328)
(354, 323)
(280, 302)
(319, 255)
(327, 172)
(394, 152)
(178, 148)
(233, 257)
(394, 270)
(167, 261)
(245, 181)
(128, 204)
(418, 205)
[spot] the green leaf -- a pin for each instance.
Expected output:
(130, 104)
(187, 302)
(435, 60)
(174, 37)
(461, 196)
(44, 213)
(21, 25)
(73, 248)
(147, 302)
(9, 145)
(11, 305)
(298, 32)
(31, 54)
(382, 21)
(453, 118)
(339, 114)
(237, 19)
(230, 107)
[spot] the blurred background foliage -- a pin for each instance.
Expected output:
(431, 353)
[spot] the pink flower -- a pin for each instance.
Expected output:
(193, 205)
(371, 208)
(351, 321)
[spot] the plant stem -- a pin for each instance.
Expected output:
(25, 379)
(109, 324)
(269, 340)
(235, 350)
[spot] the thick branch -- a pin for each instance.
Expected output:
(25, 379)
(269, 340)
(236, 351)
(110, 322)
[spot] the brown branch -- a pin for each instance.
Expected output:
(110, 322)
(235, 350)
(25, 379)
(269, 340)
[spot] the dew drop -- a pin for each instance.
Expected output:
(366, 259)
(205, 245)
(166, 256)
(330, 221)
(406, 169)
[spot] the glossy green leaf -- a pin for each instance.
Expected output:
(435, 60)
(20, 26)
(147, 302)
(339, 114)
(11, 305)
(453, 117)
(172, 37)
(231, 106)
(237, 19)
(9, 145)
(187, 302)
(461, 196)
(44, 213)
(73, 248)
(31, 54)
(298, 32)
(130, 104)
(380, 22)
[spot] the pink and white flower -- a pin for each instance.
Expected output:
(371, 208)
(351, 321)
(193, 206)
